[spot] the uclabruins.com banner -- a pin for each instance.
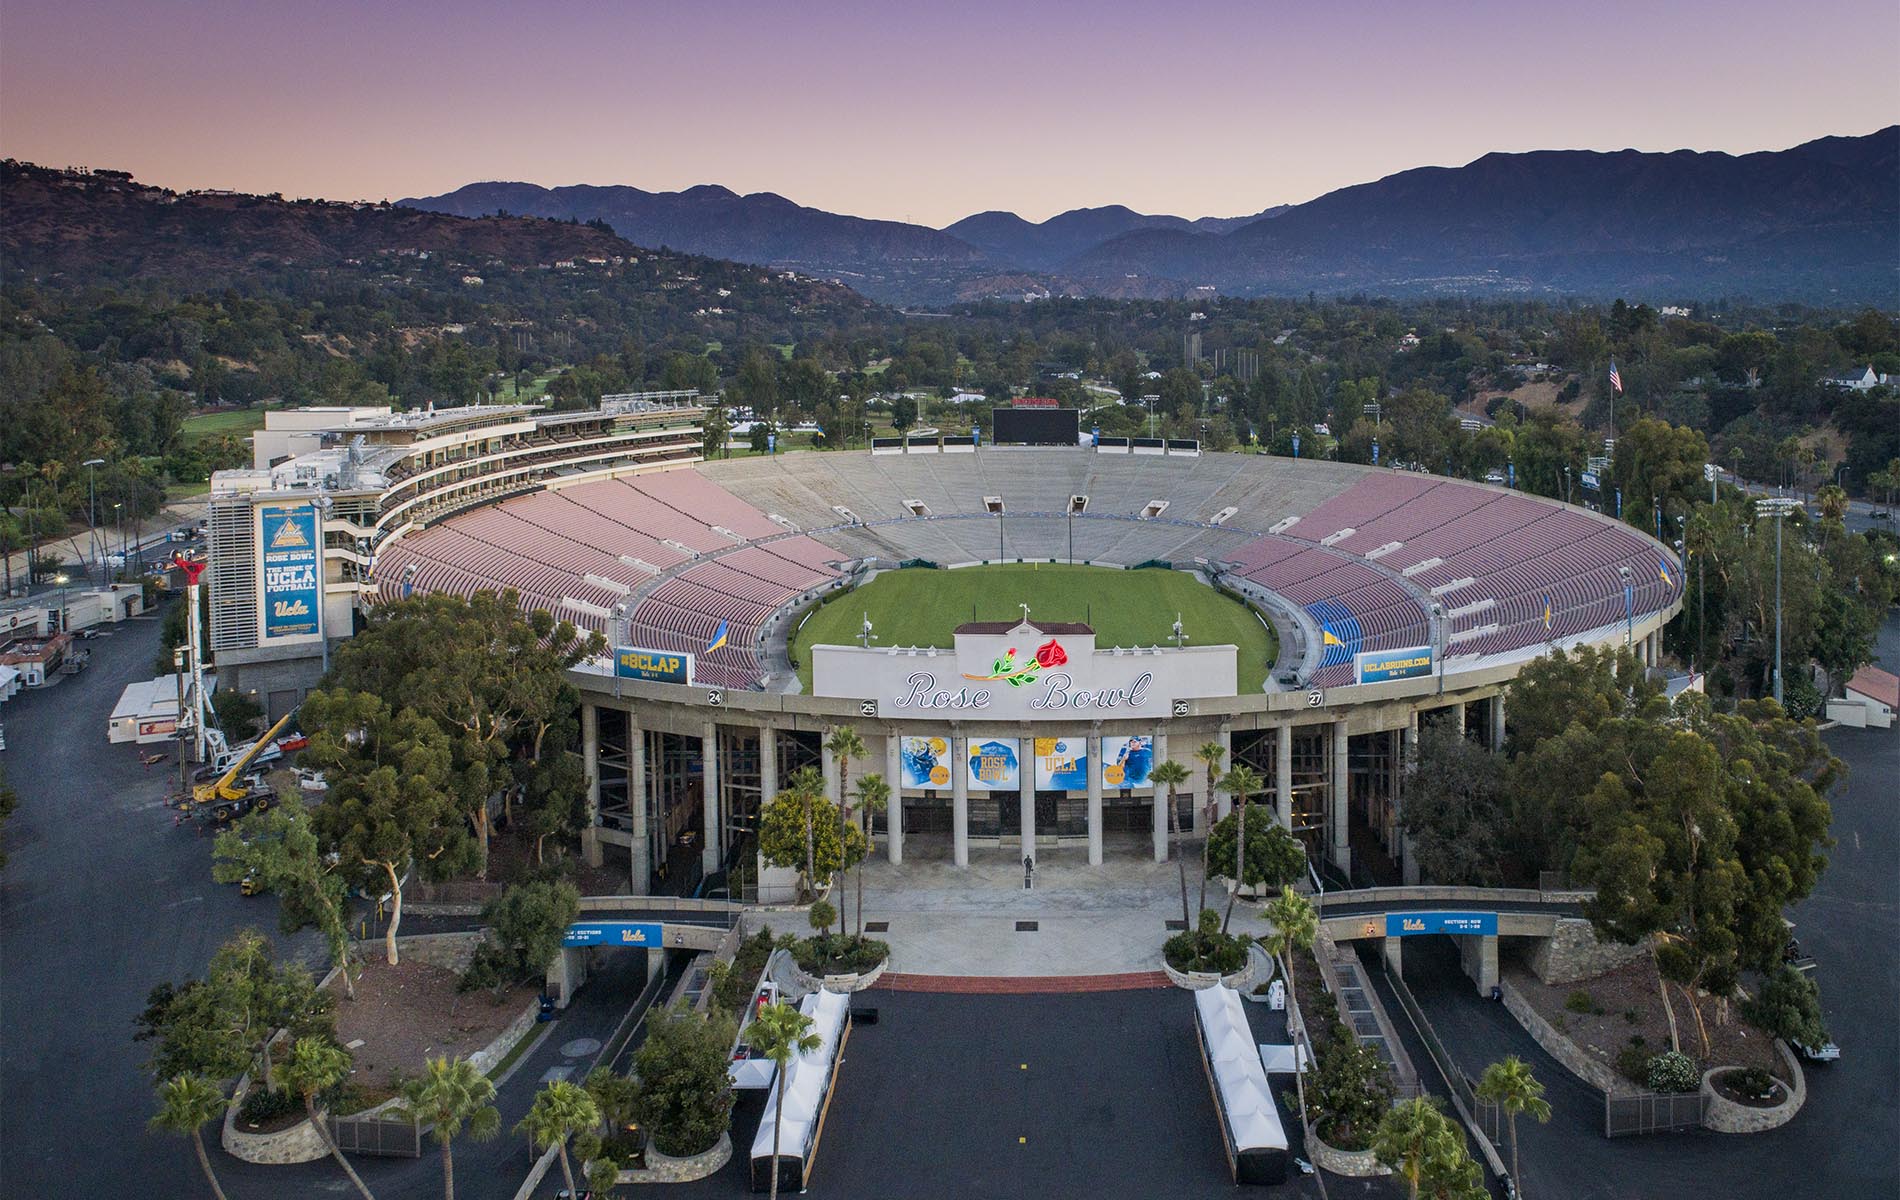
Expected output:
(1379, 666)
(290, 570)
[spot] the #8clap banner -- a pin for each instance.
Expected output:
(1126, 761)
(1062, 763)
(994, 766)
(926, 762)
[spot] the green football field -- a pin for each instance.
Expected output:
(922, 607)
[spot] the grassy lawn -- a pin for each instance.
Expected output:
(922, 607)
(204, 425)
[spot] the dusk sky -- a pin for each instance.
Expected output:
(923, 113)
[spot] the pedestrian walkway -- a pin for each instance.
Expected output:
(980, 922)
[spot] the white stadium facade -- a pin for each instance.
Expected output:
(1398, 598)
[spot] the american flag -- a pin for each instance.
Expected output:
(1616, 380)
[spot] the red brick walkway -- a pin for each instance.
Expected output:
(1023, 985)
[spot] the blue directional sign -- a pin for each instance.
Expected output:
(1413, 924)
(642, 934)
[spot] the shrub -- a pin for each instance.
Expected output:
(832, 954)
(1349, 1090)
(1206, 948)
(1632, 1063)
(1672, 1071)
(1789, 1006)
(685, 1094)
(1752, 1082)
(1579, 1002)
(1633, 1016)
(262, 1105)
(732, 985)
(822, 915)
(525, 924)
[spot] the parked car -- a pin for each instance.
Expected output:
(1825, 1052)
(311, 781)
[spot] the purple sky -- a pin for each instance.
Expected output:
(924, 113)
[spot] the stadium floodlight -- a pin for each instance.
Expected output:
(864, 632)
(1180, 635)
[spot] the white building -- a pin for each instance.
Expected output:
(1872, 696)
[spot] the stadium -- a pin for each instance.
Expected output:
(1018, 631)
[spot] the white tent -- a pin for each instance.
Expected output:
(1255, 1139)
(807, 1086)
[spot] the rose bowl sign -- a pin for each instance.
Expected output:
(1022, 671)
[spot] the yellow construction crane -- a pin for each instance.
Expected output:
(222, 789)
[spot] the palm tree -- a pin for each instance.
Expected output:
(1419, 1141)
(806, 785)
(1295, 928)
(449, 1093)
(1510, 1085)
(1167, 776)
(315, 1066)
(845, 745)
(1241, 782)
(561, 1110)
(781, 1033)
(874, 796)
(1210, 754)
(185, 1103)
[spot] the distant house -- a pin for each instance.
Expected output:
(1872, 696)
(472, 280)
(1862, 380)
(1675, 310)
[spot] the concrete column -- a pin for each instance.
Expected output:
(1497, 723)
(1337, 801)
(894, 815)
(1479, 956)
(656, 961)
(1223, 802)
(960, 799)
(1026, 791)
(1395, 955)
(710, 848)
(1283, 776)
(640, 875)
(1408, 745)
(768, 764)
(1095, 806)
(590, 762)
(1458, 719)
(828, 768)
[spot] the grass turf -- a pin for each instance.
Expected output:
(923, 607)
(205, 425)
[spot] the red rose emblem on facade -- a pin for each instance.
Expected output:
(1049, 654)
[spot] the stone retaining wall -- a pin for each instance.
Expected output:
(1195, 981)
(301, 1143)
(1575, 952)
(805, 983)
(1353, 1164)
(664, 1168)
(1725, 1116)
(449, 951)
(1580, 1062)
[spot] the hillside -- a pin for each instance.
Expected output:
(886, 259)
(1818, 222)
(107, 225)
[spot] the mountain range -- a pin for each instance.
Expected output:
(1819, 222)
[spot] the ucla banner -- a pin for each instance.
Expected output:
(1062, 763)
(614, 933)
(1415, 924)
(289, 536)
(1126, 761)
(660, 666)
(994, 766)
(926, 762)
(1378, 666)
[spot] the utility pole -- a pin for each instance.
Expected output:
(1629, 606)
(1776, 508)
(92, 518)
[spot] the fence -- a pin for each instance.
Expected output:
(1652, 1112)
(379, 1136)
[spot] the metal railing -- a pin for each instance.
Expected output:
(383, 1137)
(1652, 1112)
(1462, 1097)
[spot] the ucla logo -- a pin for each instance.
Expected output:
(289, 535)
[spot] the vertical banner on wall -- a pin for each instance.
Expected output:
(1126, 761)
(1062, 763)
(289, 534)
(994, 766)
(926, 762)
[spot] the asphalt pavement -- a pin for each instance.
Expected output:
(1845, 1143)
(102, 898)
